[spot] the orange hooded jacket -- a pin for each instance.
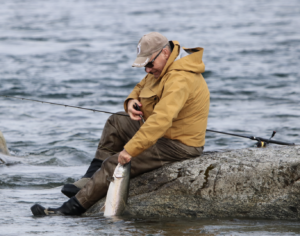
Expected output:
(175, 105)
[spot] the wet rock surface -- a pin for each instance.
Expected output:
(252, 182)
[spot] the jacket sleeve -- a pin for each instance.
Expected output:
(174, 97)
(135, 93)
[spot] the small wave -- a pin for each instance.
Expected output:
(39, 39)
(206, 74)
(81, 81)
(51, 162)
(111, 102)
(128, 85)
(289, 42)
(19, 181)
(15, 93)
(258, 52)
(55, 95)
(139, 13)
(74, 39)
(281, 75)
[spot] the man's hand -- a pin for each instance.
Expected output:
(124, 157)
(134, 114)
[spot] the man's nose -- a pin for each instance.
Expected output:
(147, 69)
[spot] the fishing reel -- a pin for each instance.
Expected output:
(137, 107)
(263, 144)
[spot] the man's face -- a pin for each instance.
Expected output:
(159, 63)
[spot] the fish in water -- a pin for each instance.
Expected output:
(117, 194)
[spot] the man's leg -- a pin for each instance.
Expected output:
(163, 152)
(117, 131)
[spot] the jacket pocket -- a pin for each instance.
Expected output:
(148, 99)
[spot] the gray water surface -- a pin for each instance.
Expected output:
(80, 53)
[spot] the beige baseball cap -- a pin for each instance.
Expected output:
(149, 44)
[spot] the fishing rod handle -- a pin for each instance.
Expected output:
(273, 141)
(137, 107)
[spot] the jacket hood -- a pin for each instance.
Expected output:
(184, 59)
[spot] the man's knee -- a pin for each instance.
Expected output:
(121, 115)
(110, 164)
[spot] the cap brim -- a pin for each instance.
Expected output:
(140, 61)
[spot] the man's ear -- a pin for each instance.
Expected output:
(166, 53)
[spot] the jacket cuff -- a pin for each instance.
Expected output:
(126, 103)
(132, 151)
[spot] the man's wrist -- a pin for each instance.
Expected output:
(126, 104)
(127, 152)
(130, 99)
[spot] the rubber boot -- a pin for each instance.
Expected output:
(71, 207)
(71, 190)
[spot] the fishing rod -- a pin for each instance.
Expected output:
(58, 104)
(262, 142)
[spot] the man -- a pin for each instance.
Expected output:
(174, 102)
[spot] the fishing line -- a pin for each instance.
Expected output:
(64, 105)
(58, 104)
(262, 142)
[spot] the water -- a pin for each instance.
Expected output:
(80, 53)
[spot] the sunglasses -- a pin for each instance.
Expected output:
(150, 64)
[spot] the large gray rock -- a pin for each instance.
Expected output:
(253, 182)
